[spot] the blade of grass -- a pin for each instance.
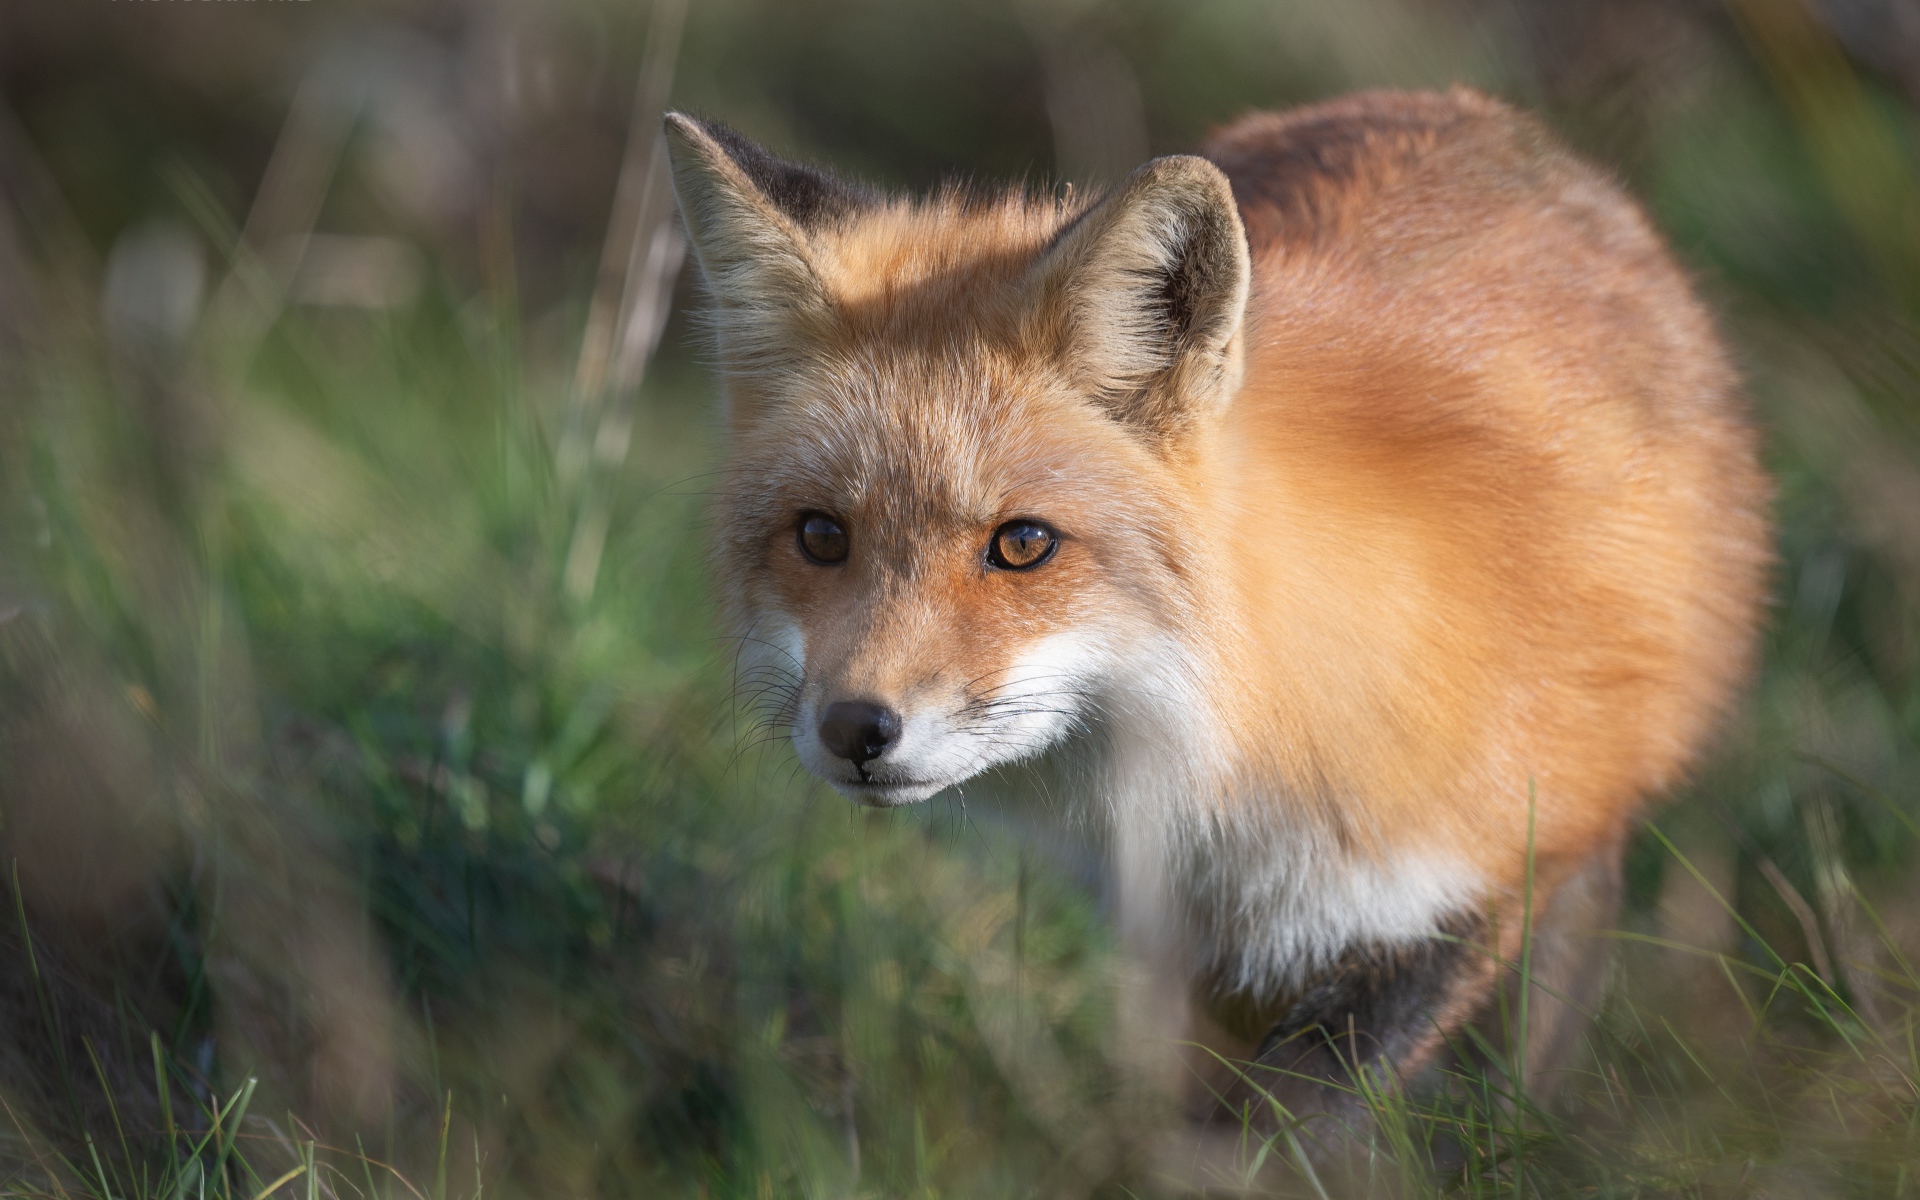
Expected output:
(366, 1165)
(161, 1081)
(113, 1108)
(287, 1178)
(44, 999)
(99, 1170)
(1801, 910)
(440, 1160)
(32, 1147)
(223, 1147)
(1526, 995)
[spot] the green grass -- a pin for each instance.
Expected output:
(545, 872)
(353, 851)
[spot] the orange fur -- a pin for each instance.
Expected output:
(1489, 410)
(1417, 524)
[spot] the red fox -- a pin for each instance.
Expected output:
(1365, 510)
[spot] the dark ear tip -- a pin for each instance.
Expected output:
(692, 144)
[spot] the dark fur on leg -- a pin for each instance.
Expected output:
(1374, 1021)
(1386, 1017)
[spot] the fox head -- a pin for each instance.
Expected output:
(959, 521)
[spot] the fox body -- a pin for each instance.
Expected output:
(1362, 518)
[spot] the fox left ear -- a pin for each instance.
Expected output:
(1143, 297)
(749, 215)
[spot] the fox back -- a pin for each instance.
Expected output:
(1364, 513)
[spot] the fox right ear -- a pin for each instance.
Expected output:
(1144, 295)
(749, 214)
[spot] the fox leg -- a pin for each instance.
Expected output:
(1568, 967)
(1384, 1015)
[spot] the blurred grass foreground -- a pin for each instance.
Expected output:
(377, 813)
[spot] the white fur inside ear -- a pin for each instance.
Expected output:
(1152, 280)
(1118, 313)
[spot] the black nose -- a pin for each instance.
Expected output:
(858, 730)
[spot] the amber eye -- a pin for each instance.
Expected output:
(1018, 545)
(823, 539)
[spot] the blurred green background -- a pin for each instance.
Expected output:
(377, 811)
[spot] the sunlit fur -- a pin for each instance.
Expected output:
(1434, 532)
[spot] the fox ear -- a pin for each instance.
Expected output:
(748, 214)
(1143, 297)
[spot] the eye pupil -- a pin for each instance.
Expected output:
(1018, 545)
(822, 539)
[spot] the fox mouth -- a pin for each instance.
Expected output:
(887, 793)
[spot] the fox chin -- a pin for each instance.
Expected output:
(1367, 503)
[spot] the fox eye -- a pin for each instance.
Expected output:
(1019, 545)
(822, 539)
